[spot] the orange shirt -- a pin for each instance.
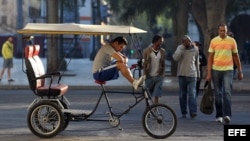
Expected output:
(223, 49)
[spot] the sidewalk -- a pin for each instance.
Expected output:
(79, 76)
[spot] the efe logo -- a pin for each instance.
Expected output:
(236, 132)
(240, 132)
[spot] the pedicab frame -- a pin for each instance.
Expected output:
(159, 120)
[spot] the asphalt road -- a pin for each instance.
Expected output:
(13, 114)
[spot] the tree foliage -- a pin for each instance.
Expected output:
(207, 14)
(236, 6)
(132, 8)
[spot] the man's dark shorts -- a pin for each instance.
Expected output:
(8, 63)
(106, 74)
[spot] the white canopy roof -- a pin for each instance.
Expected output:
(73, 28)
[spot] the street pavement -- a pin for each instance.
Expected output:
(13, 119)
(13, 107)
(78, 76)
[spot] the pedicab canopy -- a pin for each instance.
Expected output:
(73, 28)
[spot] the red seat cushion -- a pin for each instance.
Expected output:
(100, 82)
(55, 90)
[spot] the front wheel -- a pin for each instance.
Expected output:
(159, 121)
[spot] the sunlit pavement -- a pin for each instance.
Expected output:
(78, 76)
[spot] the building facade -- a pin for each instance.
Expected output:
(15, 14)
(11, 10)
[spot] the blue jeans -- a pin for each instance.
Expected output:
(187, 94)
(154, 85)
(222, 81)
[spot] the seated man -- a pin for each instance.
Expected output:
(109, 61)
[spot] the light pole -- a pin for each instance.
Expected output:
(19, 26)
(95, 5)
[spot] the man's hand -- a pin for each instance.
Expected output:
(208, 77)
(240, 75)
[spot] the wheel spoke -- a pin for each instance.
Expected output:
(159, 121)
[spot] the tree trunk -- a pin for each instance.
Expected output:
(53, 56)
(209, 19)
(180, 22)
(200, 16)
(215, 16)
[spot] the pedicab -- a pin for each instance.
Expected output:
(49, 113)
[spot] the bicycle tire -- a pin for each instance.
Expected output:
(45, 119)
(66, 116)
(159, 121)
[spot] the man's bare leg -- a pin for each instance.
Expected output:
(9, 73)
(156, 100)
(125, 71)
(128, 75)
(2, 72)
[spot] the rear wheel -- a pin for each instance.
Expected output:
(159, 121)
(45, 119)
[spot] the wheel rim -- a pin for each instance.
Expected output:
(160, 124)
(45, 119)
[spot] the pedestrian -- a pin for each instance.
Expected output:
(154, 67)
(202, 63)
(7, 53)
(223, 53)
(109, 61)
(187, 57)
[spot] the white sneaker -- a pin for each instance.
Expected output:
(138, 82)
(227, 119)
(219, 119)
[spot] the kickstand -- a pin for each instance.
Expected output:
(120, 128)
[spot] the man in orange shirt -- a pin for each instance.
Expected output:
(223, 53)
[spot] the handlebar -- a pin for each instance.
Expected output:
(133, 66)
